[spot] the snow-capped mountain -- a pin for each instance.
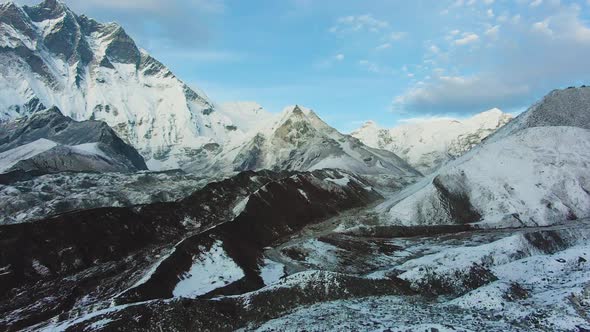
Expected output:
(47, 142)
(532, 172)
(428, 144)
(299, 140)
(90, 70)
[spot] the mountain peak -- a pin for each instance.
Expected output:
(494, 110)
(560, 108)
(296, 109)
(48, 9)
(490, 117)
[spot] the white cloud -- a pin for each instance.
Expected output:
(565, 26)
(383, 47)
(493, 32)
(539, 52)
(359, 23)
(542, 27)
(398, 35)
(536, 3)
(375, 68)
(468, 38)
(329, 62)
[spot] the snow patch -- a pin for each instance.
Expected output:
(241, 206)
(271, 271)
(343, 182)
(210, 270)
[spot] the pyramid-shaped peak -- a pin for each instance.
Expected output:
(52, 5)
(46, 10)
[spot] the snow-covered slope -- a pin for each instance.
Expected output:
(429, 144)
(9, 158)
(48, 141)
(532, 172)
(90, 70)
(299, 140)
(248, 114)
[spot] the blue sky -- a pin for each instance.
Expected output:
(352, 61)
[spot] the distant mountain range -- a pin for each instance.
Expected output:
(297, 139)
(429, 144)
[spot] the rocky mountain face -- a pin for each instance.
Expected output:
(91, 70)
(531, 172)
(299, 140)
(48, 142)
(560, 108)
(428, 144)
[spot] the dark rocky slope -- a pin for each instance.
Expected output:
(84, 260)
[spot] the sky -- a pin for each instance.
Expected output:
(353, 61)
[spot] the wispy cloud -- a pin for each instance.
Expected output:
(376, 68)
(359, 23)
(468, 38)
(476, 80)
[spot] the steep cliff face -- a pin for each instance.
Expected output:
(90, 70)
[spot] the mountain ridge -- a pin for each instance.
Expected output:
(47, 141)
(297, 139)
(428, 144)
